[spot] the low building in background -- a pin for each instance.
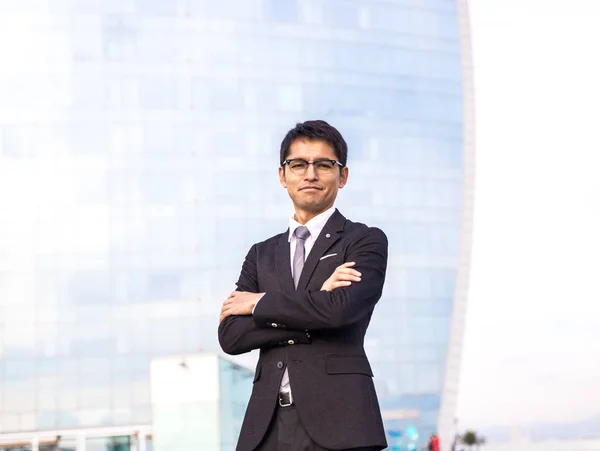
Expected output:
(198, 404)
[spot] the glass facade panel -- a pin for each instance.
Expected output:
(108, 444)
(235, 386)
(64, 444)
(140, 134)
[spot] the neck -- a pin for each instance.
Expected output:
(303, 216)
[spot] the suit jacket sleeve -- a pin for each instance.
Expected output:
(315, 310)
(240, 333)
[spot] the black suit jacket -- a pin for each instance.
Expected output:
(317, 335)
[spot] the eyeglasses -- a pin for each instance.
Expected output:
(299, 166)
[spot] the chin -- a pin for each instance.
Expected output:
(313, 208)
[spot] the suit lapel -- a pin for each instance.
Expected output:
(330, 234)
(284, 268)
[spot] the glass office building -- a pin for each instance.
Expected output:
(138, 154)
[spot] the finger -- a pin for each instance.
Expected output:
(346, 265)
(341, 283)
(349, 271)
(340, 274)
(340, 277)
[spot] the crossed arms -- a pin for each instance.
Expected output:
(283, 316)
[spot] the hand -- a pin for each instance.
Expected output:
(343, 276)
(239, 303)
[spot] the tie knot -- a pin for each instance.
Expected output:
(302, 233)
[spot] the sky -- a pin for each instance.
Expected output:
(532, 343)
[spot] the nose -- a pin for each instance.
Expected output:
(311, 173)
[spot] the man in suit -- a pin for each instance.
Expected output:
(305, 298)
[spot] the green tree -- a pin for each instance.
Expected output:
(471, 439)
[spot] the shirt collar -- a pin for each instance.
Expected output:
(314, 226)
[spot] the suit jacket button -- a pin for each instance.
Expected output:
(279, 365)
(291, 342)
(273, 324)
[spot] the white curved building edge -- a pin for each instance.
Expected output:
(447, 413)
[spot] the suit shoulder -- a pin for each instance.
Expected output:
(363, 230)
(270, 241)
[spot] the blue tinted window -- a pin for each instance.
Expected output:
(120, 38)
(225, 97)
(161, 187)
(47, 420)
(163, 231)
(152, 46)
(87, 5)
(418, 283)
(428, 378)
(89, 90)
(86, 34)
(88, 287)
(109, 443)
(14, 141)
(65, 420)
(91, 186)
(18, 370)
(448, 25)
(421, 307)
(344, 14)
(443, 283)
(164, 286)
(224, 9)
(90, 138)
(443, 306)
(280, 10)
(169, 341)
(158, 92)
(155, 7)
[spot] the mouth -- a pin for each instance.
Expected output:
(310, 188)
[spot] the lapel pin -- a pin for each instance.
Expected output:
(328, 236)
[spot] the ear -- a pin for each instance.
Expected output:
(282, 177)
(343, 177)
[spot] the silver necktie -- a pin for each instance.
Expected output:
(302, 234)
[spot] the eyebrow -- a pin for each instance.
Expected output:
(308, 159)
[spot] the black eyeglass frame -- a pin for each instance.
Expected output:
(308, 163)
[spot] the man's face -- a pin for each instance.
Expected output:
(314, 191)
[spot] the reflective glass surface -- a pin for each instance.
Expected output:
(138, 163)
(235, 386)
(108, 444)
(64, 444)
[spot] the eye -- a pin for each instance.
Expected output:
(297, 164)
(324, 164)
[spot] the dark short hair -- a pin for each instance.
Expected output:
(315, 131)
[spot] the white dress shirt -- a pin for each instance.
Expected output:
(314, 226)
